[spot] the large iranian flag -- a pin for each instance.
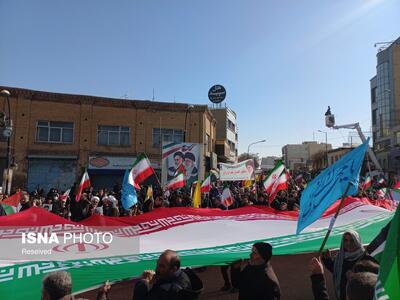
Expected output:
(140, 171)
(273, 176)
(138, 241)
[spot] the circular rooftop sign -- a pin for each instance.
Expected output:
(217, 93)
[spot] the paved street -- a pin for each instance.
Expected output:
(292, 271)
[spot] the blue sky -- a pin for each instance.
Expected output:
(282, 62)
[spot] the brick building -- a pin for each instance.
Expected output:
(56, 135)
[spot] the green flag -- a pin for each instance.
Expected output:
(388, 284)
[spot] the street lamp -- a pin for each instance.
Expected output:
(248, 148)
(7, 132)
(326, 146)
(189, 107)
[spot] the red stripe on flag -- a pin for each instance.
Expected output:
(144, 175)
(176, 185)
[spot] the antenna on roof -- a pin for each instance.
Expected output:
(153, 94)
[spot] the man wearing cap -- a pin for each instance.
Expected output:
(257, 280)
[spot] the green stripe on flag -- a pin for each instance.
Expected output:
(88, 273)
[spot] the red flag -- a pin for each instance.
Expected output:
(85, 183)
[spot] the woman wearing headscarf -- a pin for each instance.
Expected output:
(351, 251)
(257, 280)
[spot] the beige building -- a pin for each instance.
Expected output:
(298, 156)
(56, 135)
(227, 134)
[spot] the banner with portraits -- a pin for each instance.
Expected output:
(237, 172)
(180, 158)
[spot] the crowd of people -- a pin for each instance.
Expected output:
(108, 202)
(354, 271)
(354, 276)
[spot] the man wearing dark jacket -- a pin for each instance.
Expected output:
(257, 280)
(168, 282)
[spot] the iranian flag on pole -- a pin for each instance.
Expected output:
(141, 170)
(206, 185)
(226, 198)
(368, 182)
(176, 183)
(279, 185)
(85, 183)
(273, 176)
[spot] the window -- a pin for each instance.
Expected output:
(231, 146)
(55, 132)
(207, 144)
(231, 125)
(374, 117)
(373, 95)
(164, 136)
(113, 135)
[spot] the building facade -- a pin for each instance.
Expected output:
(226, 145)
(300, 156)
(55, 136)
(268, 163)
(385, 107)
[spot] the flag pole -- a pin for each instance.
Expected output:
(333, 220)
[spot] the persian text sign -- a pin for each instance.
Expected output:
(330, 185)
(236, 172)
